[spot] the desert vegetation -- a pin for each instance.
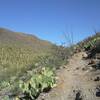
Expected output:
(26, 63)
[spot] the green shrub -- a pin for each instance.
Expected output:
(4, 84)
(40, 82)
(6, 98)
(91, 44)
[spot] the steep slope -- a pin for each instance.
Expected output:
(18, 52)
(10, 37)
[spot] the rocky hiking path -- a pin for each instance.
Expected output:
(75, 82)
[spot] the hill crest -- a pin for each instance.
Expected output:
(10, 37)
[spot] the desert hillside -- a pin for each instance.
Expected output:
(33, 69)
(17, 38)
(18, 51)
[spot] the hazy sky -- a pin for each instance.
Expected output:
(48, 19)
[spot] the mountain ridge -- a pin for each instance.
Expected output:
(9, 37)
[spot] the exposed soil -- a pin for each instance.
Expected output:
(75, 81)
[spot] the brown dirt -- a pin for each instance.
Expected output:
(75, 82)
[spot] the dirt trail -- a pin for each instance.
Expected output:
(74, 83)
